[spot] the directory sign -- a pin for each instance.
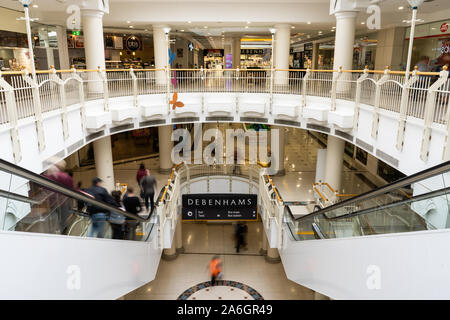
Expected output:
(219, 206)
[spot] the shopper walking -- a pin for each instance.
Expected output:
(215, 269)
(98, 215)
(132, 204)
(148, 186)
(142, 172)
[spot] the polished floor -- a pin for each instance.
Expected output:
(248, 267)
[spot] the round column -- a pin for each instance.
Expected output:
(334, 161)
(104, 162)
(264, 243)
(161, 50)
(277, 150)
(344, 39)
(94, 49)
(281, 58)
(272, 255)
(179, 235)
(170, 254)
(165, 148)
(236, 52)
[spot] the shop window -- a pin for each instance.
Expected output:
(361, 156)
(388, 173)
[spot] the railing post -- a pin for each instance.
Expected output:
(37, 109)
(81, 93)
(304, 87)
(376, 108)
(13, 119)
(104, 79)
(336, 76)
(429, 114)
(167, 71)
(54, 77)
(358, 98)
(238, 89)
(404, 108)
(135, 88)
(272, 71)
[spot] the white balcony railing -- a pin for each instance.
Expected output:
(424, 96)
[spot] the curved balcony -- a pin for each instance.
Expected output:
(404, 123)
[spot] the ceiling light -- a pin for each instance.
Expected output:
(248, 22)
(401, 8)
(333, 27)
(206, 27)
(292, 27)
(128, 21)
(246, 27)
(309, 22)
(189, 21)
(363, 23)
(182, 30)
(35, 6)
(131, 27)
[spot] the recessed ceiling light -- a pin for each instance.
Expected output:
(292, 27)
(35, 6)
(206, 27)
(333, 27)
(363, 23)
(128, 21)
(401, 8)
(182, 30)
(248, 22)
(131, 27)
(309, 22)
(246, 27)
(189, 21)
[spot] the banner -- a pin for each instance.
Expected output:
(215, 206)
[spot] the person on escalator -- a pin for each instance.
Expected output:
(98, 215)
(148, 186)
(132, 204)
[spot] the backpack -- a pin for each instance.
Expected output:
(116, 218)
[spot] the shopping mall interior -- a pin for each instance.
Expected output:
(231, 150)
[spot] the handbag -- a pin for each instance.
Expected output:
(116, 218)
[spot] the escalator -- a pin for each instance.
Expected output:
(44, 231)
(399, 230)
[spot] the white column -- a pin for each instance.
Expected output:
(161, 50)
(179, 235)
(63, 50)
(43, 36)
(315, 56)
(282, 45)
(264, 242)
(281, 147)
(104, 162)
(94, 48)
(165, 148)
(334, 162)
(344, 39)
(236, 52)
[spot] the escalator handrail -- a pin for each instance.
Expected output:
(419, 197)
(422, 175)
(71, 193)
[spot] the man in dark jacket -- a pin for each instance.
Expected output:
(148, 186)
(98, 215)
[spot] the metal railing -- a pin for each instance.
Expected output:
(425, 95)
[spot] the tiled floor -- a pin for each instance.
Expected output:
(189, 269)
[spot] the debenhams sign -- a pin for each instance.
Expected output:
(215, 206)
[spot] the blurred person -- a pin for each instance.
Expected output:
(148, 185)
(63, 204)
(118, 229)
(98, 215)
(424, 64)
(142, 172)
(240, 231)
(132, 204)
(215, 269)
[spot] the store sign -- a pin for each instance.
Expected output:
(252, 51)
(133, 43)
(445, 48)
(218, 206)
(444, 27)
